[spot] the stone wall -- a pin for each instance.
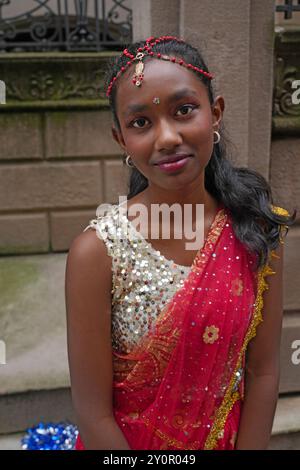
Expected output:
(58, 160)
(285, 183)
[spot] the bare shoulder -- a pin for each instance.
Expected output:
(88, 248)
(88, 265)
(88, 244)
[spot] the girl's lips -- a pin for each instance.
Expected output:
(173, 166)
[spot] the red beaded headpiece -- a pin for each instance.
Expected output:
(147, 50)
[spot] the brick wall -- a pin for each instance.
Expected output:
(58, 160)
(56, 168)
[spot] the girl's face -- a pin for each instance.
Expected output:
(182, 123)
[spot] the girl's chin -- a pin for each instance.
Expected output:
(178, 182)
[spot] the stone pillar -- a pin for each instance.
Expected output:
(155, 17)
(262, 37)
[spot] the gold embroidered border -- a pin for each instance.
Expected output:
(230, 398)
(170, 440)
(280, 211)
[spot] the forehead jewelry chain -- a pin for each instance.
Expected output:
(147, 51)
(138, 74)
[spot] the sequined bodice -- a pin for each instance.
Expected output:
(143, 280)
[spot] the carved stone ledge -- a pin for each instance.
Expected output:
(54, 80)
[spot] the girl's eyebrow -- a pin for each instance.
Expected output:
(177, 95)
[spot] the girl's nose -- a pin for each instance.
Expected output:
(167, 136)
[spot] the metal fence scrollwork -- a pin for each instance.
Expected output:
(288, 8)
(64, 25)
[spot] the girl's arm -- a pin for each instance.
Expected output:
(262, 366)
(88, 305)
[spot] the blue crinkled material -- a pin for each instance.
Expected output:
(50, 436)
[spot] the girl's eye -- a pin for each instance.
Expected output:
(186, 107)
(139, 123)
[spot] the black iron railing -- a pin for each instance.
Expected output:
(288, 8)
(65, 25)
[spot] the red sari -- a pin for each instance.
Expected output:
(182, 386)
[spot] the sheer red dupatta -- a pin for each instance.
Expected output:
(181, 387)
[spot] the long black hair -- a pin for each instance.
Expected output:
(244, 192)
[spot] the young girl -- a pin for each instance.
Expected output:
(159, 335)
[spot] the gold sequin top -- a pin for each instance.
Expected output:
(143, 280)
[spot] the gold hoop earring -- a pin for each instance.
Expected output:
(128, 160)
(218, 137)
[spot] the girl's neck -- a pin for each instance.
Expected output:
(198, 195)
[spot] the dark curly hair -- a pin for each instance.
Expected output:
(244, 192)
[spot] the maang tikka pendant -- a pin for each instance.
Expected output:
(138, 74)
